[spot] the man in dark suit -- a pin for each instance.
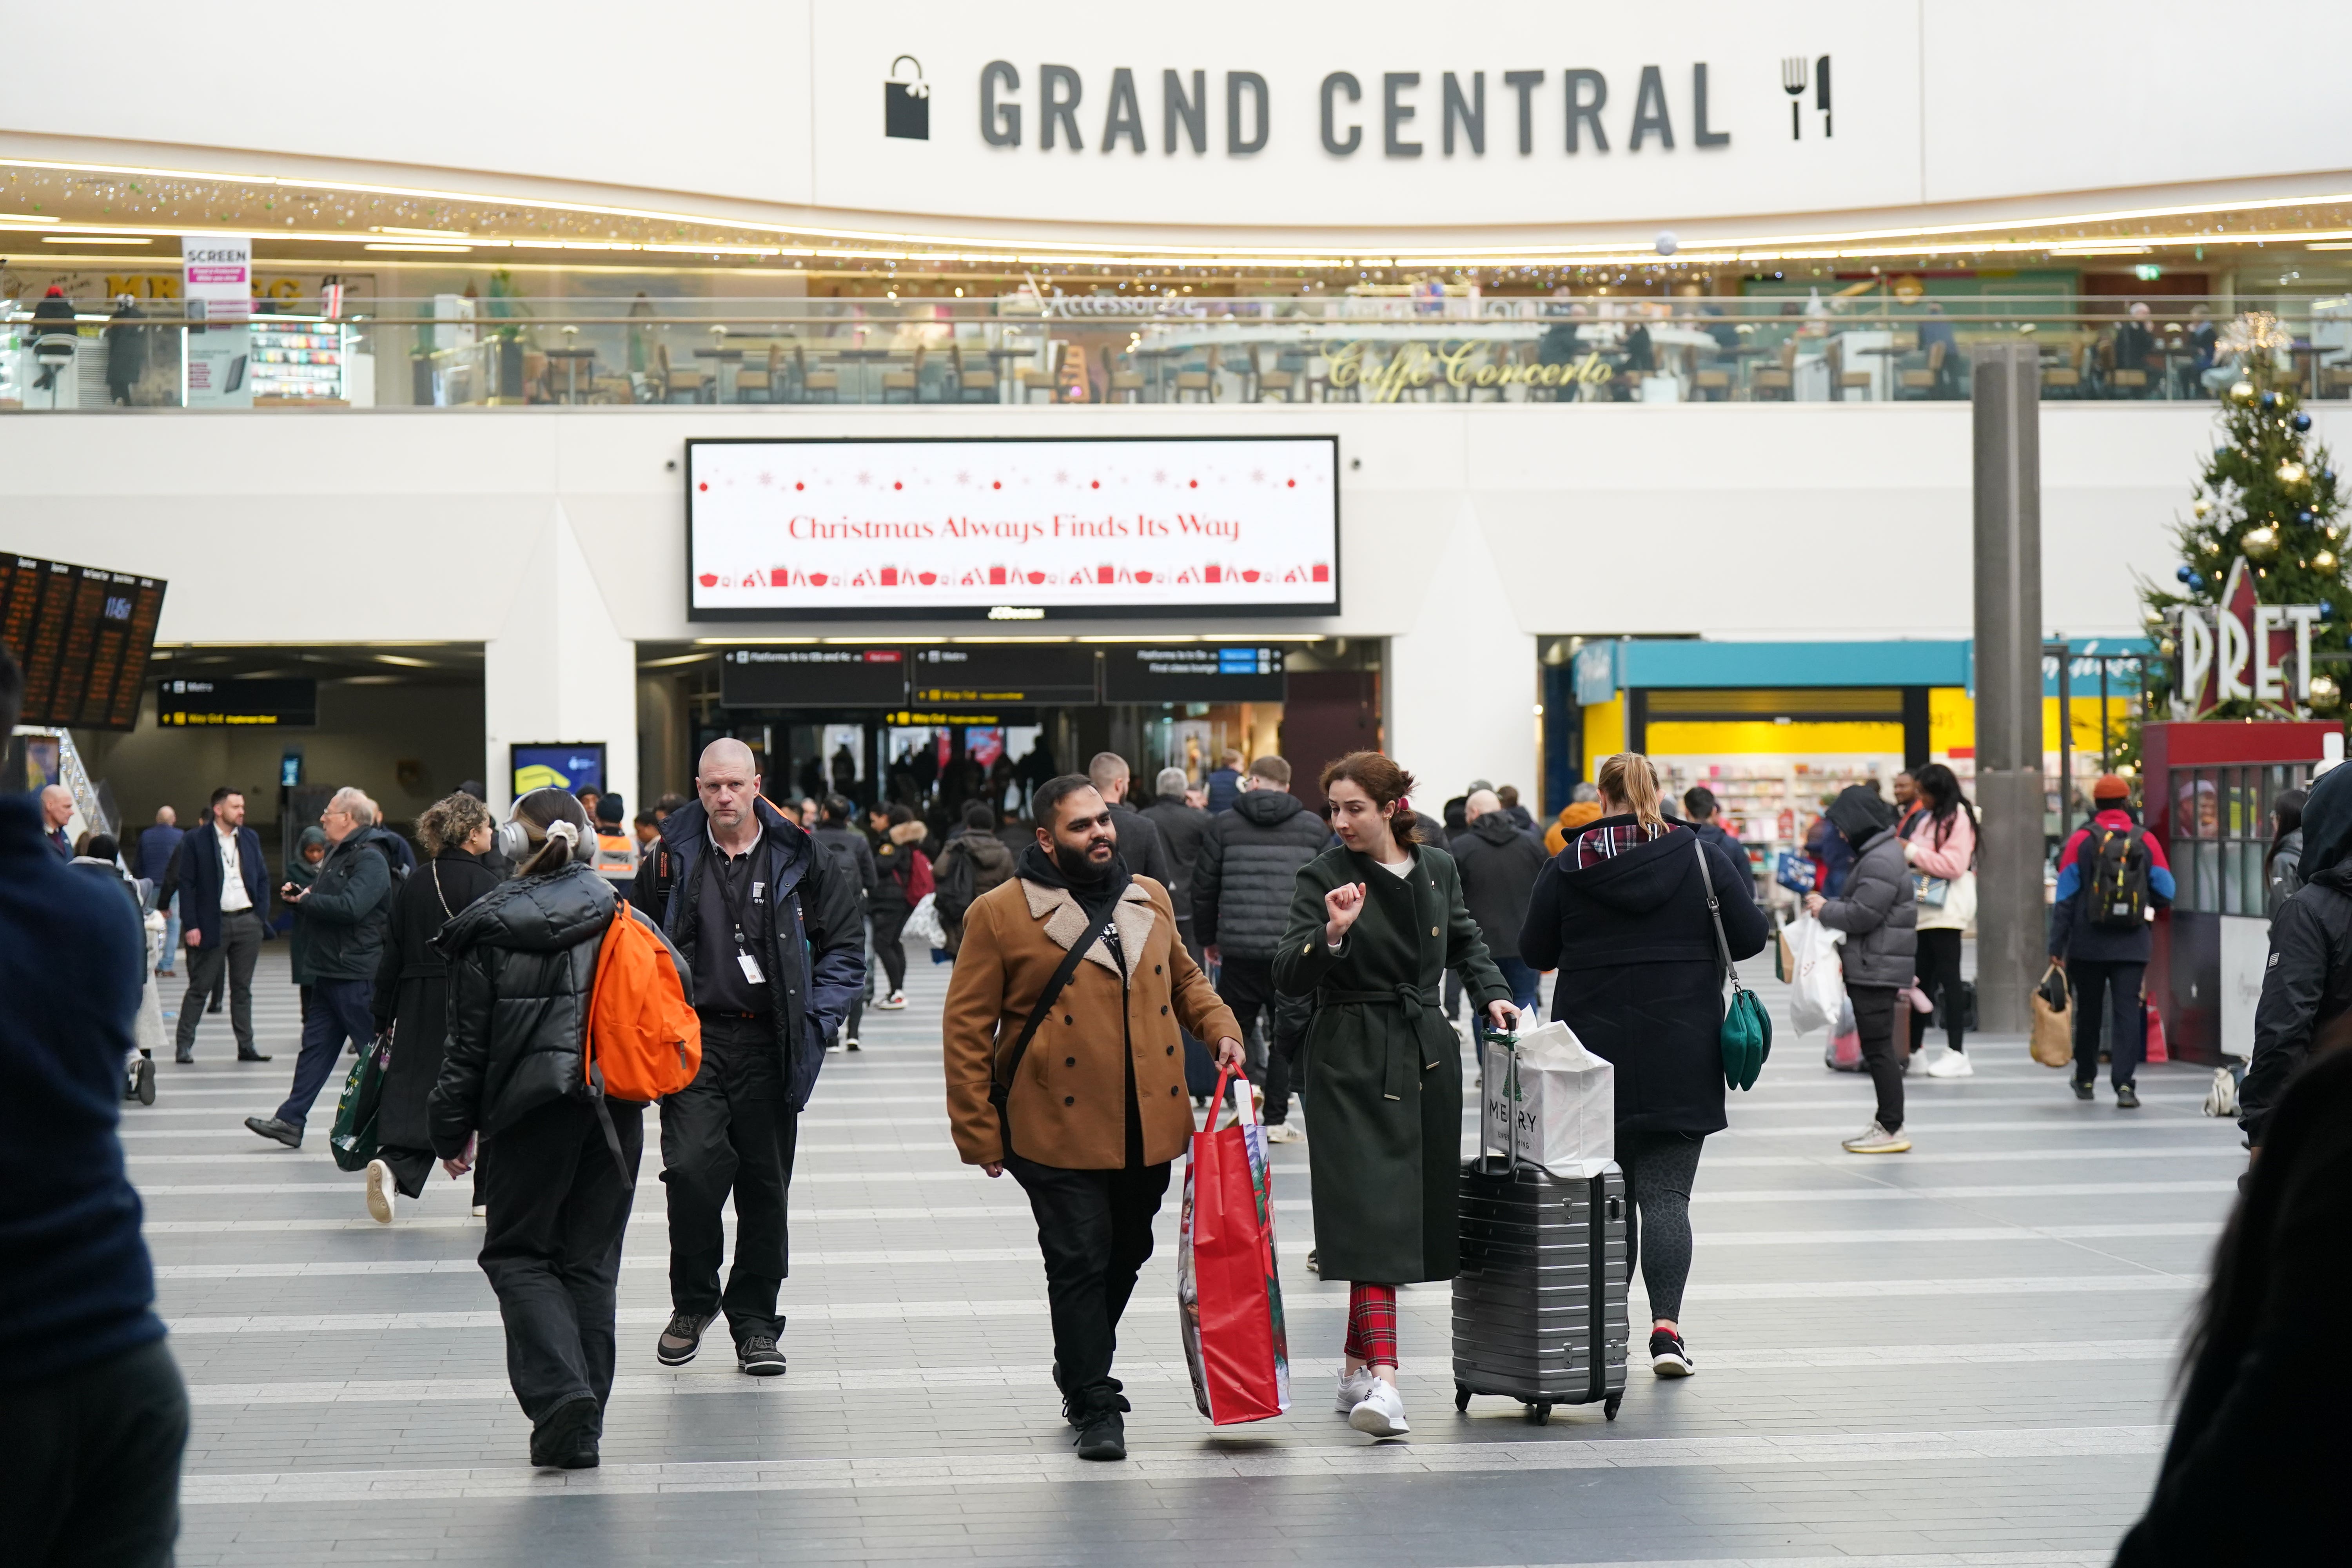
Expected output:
(1139, 840)
(223, 887)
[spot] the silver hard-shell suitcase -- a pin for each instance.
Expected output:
(1540, 1311)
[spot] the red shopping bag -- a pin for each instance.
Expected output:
(1228, 1294)
(2156, 1048)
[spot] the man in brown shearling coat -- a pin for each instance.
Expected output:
(1097, 1109)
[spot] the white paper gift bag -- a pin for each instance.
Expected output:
(1551, 1102)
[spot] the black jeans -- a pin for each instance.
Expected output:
(90, 1463)
(1874, 1019)
(551, 1247)
(1940, 970)
(1246, 986)
(889, 940)
(238, 947)
(2118, 985)
(1095, 1230)
(338, 1012)
(733, 1128)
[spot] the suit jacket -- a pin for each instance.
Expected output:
(200, 880)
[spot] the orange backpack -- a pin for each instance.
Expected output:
(643, 1039)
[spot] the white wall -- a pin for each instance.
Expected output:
(1467, 532)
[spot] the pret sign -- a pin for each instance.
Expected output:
(2243, 650)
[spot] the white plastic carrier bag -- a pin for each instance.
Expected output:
(1817, 981)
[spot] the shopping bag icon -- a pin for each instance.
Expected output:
(907, 105)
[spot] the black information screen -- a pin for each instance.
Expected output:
(1193, 672)
(84, 634)
(812, 678)
(281, 704)
(1004, 672)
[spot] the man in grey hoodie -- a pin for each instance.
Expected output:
(1880, 953)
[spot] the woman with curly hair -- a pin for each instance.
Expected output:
(412, 990)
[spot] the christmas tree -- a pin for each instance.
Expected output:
(2270, 496)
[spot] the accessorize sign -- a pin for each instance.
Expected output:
(1012, 529)
(2243, 650)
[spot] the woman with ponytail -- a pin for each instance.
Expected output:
(523, 965)
(1622, 913)
(1375, 924)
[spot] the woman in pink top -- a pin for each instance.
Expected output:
(1940, 843)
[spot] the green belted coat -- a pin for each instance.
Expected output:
(1384, 1087)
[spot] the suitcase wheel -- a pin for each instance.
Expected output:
(1540, 1413)
(1609, 1406)
(1460, 1396)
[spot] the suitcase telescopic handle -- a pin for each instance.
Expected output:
(1510, 1045)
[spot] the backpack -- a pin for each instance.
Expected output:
(841, 857)
(956, 882)
(645, 1041)
(2118, 891)
(919, 883)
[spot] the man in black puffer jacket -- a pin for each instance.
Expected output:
(2307, 985)
(1242, 886)
(1499, 864)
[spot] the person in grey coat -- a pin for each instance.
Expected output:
(1181, 828)
(1880, 950)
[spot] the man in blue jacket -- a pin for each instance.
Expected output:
(93, 1415)
(223, 887)
(157, 845)
(773, 932)
(2103, 942)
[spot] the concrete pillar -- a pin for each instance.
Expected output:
(559, 668)
(1462, 684)
(2011, 914)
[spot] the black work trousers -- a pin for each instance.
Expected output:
(90, 1463)
(1939, 967)
(1246, 986)
(890, 939)
(551, 1247)
(1874, 1020)
(1095, 1230)
(732, 1130)
(233, 955)
(2118, 985)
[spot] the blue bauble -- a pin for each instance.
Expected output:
(2270, 399)
(2302, 421)
(2187, 575)
(2326, 610)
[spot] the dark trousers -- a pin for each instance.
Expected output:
(338, 1012)
(90, 1463)
(1095, 1230)
(733, 1128)
(551, 1247)
(1940, 971)
(233, 955)
(1874, 1019)
(2118, 985)
(889, 940)
(1525, 981)
(1246, 986)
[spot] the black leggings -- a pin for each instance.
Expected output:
(1940, 970)
(1659, 1169)
(889, 944)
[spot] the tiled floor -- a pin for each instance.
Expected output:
(1958, 1356)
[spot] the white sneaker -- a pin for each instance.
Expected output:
(852, 1043)
(1380, 1411)
(1284, 1133)
(832, 1048)
(1877, 1140)
(893, 1002)
(380, 1191)
(1354, 1387)
(1951, 1063)
(480, 1210)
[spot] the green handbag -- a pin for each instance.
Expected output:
(1747, 1032)
(352, 1143)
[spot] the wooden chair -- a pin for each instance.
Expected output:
(1714, 385)
(908, 381)
(537, 385)
(763, 381)
(1120, 385)
(673, 382)
(1030, 377)
(1275, 380)
(2063, 378)
(973, 377)
(1241, 362)
(815, 381)
(2132, 382)
(1195, 380)
(1921, 380)
(2335, 381)
(610, 389)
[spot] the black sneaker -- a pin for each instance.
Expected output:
(1669, 1357)
(758, 1355)
(682, 1338)
(2085, 1091)
(1102, 1435)
(246, 1056)
(278, 1131)
(566, 1440)
(1069, 1412)
(2126, 1098)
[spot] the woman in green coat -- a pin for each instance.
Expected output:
(1374, 925)
(301, 872)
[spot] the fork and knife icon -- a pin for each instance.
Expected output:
(1792, 82)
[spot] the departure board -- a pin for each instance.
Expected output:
(83, 635)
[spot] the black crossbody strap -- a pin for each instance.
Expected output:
(1001, 1089)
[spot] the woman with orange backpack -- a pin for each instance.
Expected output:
(523, 962)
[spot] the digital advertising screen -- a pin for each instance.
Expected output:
(83, 636)
(575, 765)
(1012, 529)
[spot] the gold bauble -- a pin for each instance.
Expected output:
(2325, 695)
(2289, 474)
(2262, 543)
(2164, 647)
(2324, 561)
(2200, 507)
(2242, 393)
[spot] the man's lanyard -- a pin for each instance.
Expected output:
(728, 893)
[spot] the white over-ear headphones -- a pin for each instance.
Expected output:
(513, 839)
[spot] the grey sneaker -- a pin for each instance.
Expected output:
(682, 1338)
(1877, 1140)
